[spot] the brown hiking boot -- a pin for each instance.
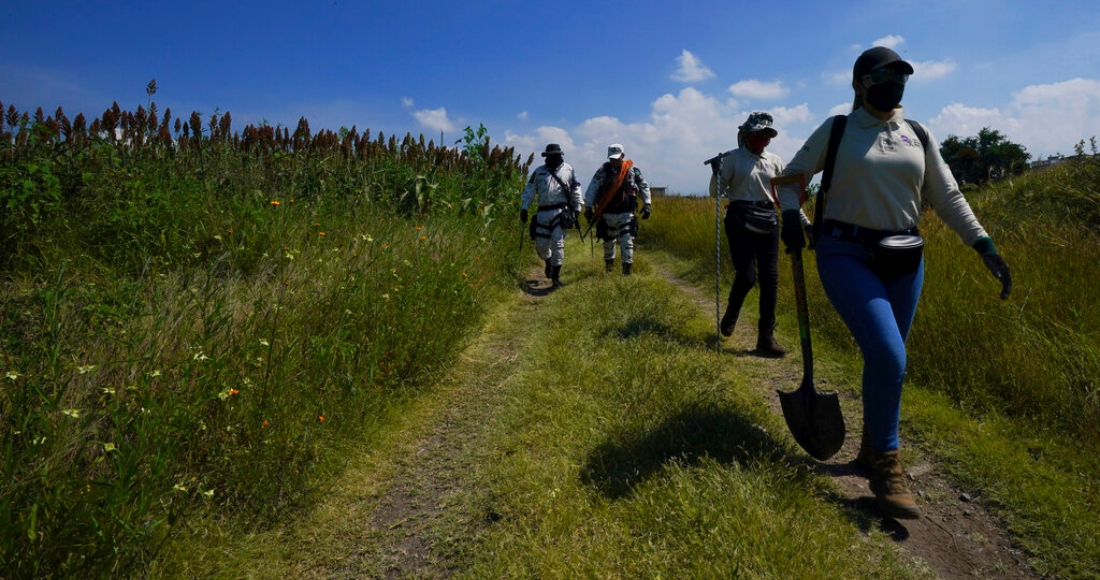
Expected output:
(766, 345)
(888, 483)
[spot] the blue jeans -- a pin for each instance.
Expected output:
(879, 313)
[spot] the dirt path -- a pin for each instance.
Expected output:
(956, 537)
(404, 517)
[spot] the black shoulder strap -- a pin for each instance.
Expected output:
(835, 133)
(921, 133)
(554, 174)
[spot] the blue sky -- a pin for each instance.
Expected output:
(669, 80)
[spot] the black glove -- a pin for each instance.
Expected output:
(567, 220)
(792, 235)
(588, 214)
(809, 229)
(646, 211)
(523, 215)
(995, 263)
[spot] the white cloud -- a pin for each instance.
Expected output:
(891, 41)
(930, 70)
(670, 145)
(435, 119)
(407, 102)
(683, 129)
(522, 116)
(754, 89)
(692, 70)
(1046, 119)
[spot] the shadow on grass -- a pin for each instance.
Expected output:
(536, 288)
(615, 468)
(640, 324)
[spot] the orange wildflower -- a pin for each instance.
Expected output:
(233, 392)
(321, 418)
(266, 423)
(274, 202)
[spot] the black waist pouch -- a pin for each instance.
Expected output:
(758, 219)
(896, 256)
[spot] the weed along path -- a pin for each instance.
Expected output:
(595, 431)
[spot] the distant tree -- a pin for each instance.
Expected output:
(988, 155)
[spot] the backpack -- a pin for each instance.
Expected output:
(835, 134)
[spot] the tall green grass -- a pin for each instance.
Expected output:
(194, 327)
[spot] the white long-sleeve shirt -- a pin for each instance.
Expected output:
(549, 192)
(882, 176)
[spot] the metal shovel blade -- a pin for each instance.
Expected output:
(814, 419)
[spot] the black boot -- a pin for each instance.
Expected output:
(766, 345)
(627, 268)
(610, 265)
(546, 270)
(729, 320)
(555, 276)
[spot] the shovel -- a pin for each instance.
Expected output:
(814, 418)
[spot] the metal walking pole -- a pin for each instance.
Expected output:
(716, 166)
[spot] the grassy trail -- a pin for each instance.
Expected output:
(596, 432)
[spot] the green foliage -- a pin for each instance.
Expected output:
(989, 155)
(30, 193)
(192, 324)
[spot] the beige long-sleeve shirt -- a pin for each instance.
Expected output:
(882, 177)
(746, 176)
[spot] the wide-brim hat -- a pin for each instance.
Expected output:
(759, 122)
(878, 57)
(553, 149)
(615, 151)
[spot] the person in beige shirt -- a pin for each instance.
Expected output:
(751, 223)
(869, 252)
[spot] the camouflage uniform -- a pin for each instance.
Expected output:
(559, 202)
(617, 223)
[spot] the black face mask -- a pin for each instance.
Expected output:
(885, 96)
(554, 161)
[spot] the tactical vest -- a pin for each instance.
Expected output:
(626, 199)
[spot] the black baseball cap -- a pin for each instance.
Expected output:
(878, 57)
